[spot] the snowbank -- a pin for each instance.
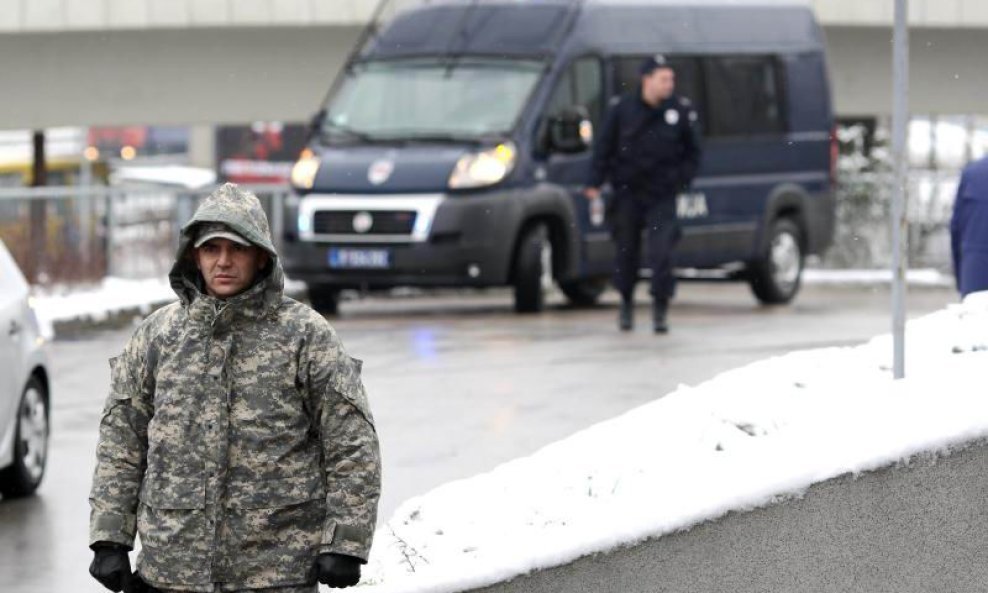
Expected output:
(742, 440)
(919, 277)
(97, 303)
(113, 296)
(165, 176)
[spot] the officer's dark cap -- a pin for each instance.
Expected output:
(653, 63)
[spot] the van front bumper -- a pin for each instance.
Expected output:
(456, 241)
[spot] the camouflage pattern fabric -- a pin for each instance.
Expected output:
(237, 439)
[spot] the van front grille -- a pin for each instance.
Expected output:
(341, 222)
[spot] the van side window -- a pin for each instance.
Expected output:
(581, 85)
(744, 96)
(590, 87)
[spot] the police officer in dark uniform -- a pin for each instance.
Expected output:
(649, 150)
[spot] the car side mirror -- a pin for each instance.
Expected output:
(570, 131)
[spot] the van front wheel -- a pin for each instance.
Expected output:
(775, 278)
(533, 270)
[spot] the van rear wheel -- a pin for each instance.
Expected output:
(324, 299)
(584, 293)
(776, 277)
(533, 270)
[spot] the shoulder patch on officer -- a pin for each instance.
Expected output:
(672, 117)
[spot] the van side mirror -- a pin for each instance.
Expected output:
(570, 131)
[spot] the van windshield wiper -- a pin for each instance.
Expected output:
(438, 137)
(397, 136)
(329, 127)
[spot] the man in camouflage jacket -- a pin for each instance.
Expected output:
(237, 438)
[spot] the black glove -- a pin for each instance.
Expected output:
(111, 566)
(337, 570)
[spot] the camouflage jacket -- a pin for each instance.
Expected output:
(237, 438)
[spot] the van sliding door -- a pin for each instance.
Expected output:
(746, 154)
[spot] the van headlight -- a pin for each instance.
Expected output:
(304, 171)
(480, 169)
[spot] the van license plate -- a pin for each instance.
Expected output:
(376, 259)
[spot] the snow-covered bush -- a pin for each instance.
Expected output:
(862, 236)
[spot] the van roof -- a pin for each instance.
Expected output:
(514, 28)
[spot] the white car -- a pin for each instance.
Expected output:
(24, 386)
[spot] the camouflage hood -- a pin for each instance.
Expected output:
(242, 212)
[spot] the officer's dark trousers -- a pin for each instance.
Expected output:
(631, 217)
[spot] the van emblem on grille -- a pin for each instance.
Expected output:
(362, 222)
(380, 171)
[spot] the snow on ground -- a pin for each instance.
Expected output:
(165, 176)
(744, 439)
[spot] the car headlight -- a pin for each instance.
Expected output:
(480, 169)
(304, 171)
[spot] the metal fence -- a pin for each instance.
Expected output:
(64, 235)
(863, 235)
(68, 235)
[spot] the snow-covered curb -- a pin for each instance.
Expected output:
(740, 441)
(109, 298)
(920, 277)
(97, 303)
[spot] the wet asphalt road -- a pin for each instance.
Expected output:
(458, 384)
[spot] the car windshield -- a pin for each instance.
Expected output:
(410, 99)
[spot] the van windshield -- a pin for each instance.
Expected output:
(429, 99)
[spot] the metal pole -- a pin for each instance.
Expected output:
(38, 211)
(108, 232)
(278, 218)
(970, 126)
(85, 210)
(900, 107)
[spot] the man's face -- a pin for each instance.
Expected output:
(659, 85)
(228, 268)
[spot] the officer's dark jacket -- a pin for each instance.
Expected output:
(647, 150)
(969, 229)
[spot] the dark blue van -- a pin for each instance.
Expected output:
(455, 148)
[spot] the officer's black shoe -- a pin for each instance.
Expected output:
(659, 310)
(626, 317)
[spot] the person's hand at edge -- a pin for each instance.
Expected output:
(111, 566)
(337, 570)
